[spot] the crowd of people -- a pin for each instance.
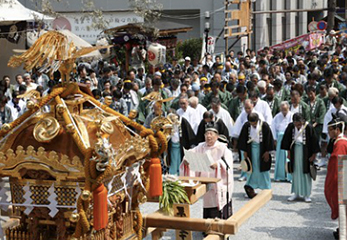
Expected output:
(277, 104)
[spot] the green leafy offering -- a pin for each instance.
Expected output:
(173, 192)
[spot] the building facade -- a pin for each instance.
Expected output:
(268, 29)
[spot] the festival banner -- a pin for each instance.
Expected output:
(309, 41)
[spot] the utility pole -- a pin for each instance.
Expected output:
(331, 14)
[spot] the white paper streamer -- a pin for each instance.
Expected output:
(3, 195)
(53, 202)
(28, 200)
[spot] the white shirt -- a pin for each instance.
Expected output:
(263, 108)
(298, 135)
(254, 133)
(226, 118)
(295, 109)
(14, 111)
(242, 119)
(32, 86)
(192, 117)
(200, 110)
(280, 123)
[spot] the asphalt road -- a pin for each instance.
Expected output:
(278, 219)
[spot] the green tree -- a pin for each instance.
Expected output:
(190, 47)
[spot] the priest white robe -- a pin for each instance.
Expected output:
(216, 196)
(264, 108)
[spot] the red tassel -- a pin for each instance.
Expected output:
(155, 177)
(100, 207)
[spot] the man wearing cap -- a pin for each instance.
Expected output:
(218, 200)
(331, 41)
(186, 66)
(29, 82)
(339, 142)
(256, 142)
(207, 118)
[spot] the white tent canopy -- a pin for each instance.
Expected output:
(13, 11)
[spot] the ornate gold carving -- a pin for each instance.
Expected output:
(6, 127)
(46, 129)
(86, 195)
(60, 108)
(108, 100)
(162, 124)
(135, 147)
(60, 167)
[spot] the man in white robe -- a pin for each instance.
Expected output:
(188, 113)
(219, 194)
(221, 113)
(200, 110)
(261, 106)
(17, 106)
(278, 127)
(242, 118)
(240, 121)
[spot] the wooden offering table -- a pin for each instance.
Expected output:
(194, 193)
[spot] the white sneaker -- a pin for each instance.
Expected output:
(292, 198)
(242, 179)
(307, 199)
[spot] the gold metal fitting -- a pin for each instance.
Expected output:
(60, 108)
(6, 127)
(30, 104)
(70, 128)
(74, 217)
(108, 100)
(86, 195)
(141, 198)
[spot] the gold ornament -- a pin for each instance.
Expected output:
(70, 128)
(60, 108)
(6, 127)
(46, 129)
(108, 100)
(86, 195)
(30, 104)
(74, 217)
(141, 198)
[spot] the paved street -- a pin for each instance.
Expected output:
(279, 219)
